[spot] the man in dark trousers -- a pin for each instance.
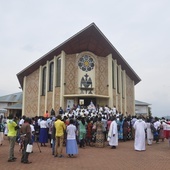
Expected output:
(12, 133)
(25, 133)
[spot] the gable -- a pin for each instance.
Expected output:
(89, 39)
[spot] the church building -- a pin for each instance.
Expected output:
(85, 68)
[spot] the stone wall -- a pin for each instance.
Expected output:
(71, 85)
(129, 96)
(101, 74)
(31, 94)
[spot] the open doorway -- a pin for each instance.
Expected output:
(84, 102)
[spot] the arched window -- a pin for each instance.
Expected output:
(58, 72)
(44, 81)
(51, 73)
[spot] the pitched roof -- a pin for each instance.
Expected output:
(139, 103)
(89, 39)
(17, 106)
(12, 98)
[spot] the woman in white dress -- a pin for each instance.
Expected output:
(149, 132)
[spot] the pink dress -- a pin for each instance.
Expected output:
(161, 132)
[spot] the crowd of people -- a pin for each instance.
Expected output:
(77, 128)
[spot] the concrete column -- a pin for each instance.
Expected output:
(54, 81)
(133, 98)
(62, 87)
(124, 90)
(39, 90)
(115, 81)
(23, 96)
(47, 84)
(120, 85)
(110, 85)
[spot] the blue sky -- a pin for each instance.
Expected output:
(139, 30)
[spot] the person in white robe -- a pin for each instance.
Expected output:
(139, 126)
(149, 132)
(113, 134)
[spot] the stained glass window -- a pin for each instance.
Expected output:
(86, 63)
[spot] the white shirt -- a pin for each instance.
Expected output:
(133, 121)
(114, 110)
(21, 122)
(43, 124)
(32, 129)
(157, 124)
(71, 132)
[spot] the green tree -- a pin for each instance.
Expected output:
(149, 112)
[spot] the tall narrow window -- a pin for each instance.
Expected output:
(44, 81)
(113, 85)
(123, 83)
(51, 73)
(58, 72)
(118, 90)
(123, 93)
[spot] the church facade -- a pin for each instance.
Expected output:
(84, 68)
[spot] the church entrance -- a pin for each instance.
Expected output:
(84, 102)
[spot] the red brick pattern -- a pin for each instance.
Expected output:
(155, 157)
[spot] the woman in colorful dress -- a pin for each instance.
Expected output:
(99, 134)
(89, 132)
(82, 132)
(125, 129)
(120, 128)
(161, 132)
(93, 132)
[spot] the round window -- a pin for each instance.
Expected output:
(86, 63)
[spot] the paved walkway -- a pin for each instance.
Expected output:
(156, 157)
